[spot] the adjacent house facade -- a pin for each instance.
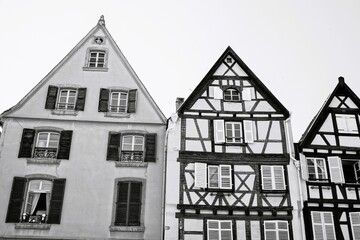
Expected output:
(229, 168)
(329, 153)
(82, 153)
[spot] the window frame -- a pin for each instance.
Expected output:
(202, 177)
(316, 168)
(231, 127)
(322, 223)
(88, 56)
(273, 178)
(277, 230)
(67, 105)
(132, 154)
(232, 93)
(118, 106)
(48, 151)
(344, 121)
(219, 229)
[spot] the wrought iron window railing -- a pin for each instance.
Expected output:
(132, 156)
(45, 152)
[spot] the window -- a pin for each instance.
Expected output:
(42, 198)
(323, 226)
(316, 168)
(134, 147)
(272, 178)
(346, 123)
(117, 101)
(45, 144)
(233, 132)
(219, 230)
(231, 95)
(128, 204)
(213, 176)
(355, 225)
(65, 98)
(96, 59)
(276, 230)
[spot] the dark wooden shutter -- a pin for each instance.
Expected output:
(150, 147)
(64, 145)
(132, 101)
(121, 204)
(113, 146)
(56, 201)
(51, 97)
(26, 144)
(134, 204)
(16, 200)
(103, 100)
(80, 102)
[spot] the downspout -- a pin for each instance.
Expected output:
(173, 119)
(297, 166)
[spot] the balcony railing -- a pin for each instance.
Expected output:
(131, 156)
(45, 152)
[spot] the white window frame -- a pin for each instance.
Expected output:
(122, 95)
(346, 122)
(66, 105)
(223, 179)
(97, 58)
(355, 224)
(273, 177)
(219, 229)
(277, 230)
(39, 190)
(316, 168)
(323, 226)
(232, 93)
(47, 143)
(230, 126)
(133, 143)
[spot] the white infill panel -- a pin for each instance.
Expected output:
(219, 131)
(336, 170)
(246, 94)
(218, 93)
(200, 175)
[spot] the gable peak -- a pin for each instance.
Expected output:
(101, 21)
(341, 80)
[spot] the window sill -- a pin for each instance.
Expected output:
(49, 161)
(95, 69)
(36, 226)
(64, 112)
(126, 229)
(131, 164)
(117, 115)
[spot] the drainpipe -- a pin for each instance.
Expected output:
(171, 124)
(297, 166)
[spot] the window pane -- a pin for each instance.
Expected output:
(213, 177)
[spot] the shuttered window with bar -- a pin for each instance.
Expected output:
(117, 100)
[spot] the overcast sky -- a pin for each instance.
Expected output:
(298, 49)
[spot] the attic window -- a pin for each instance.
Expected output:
(96, 58)
(229, 60)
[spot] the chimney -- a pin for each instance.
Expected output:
(179, 102)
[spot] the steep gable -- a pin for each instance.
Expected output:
(95, 63)
(337, 122)
(230, 86)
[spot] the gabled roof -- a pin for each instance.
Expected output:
(99, 25)
(275, 103)
(341, 89)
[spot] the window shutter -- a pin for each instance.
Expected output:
(121, 204)
(304, 167)
(64, 144)
(150, 147)
(219, 131)
(132, 101)
(56, 201)
(248, 128)
(225, 177)
(51, 97)
(351, 124)
(329, 225)
(355, 225)
(279, 178)
(336, 170)
(103, 100)
(80, 102)
(200, 175)
(26, 145)
(16, 200)
(246, 94)
(135, 204)
(341, 123)
(113, 147)
(317, 225)
(266, 178)
(218, 93)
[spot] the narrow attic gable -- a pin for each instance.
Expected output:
(76, 70)
(231, 81)
(341, 100)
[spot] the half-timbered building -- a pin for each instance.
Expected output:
(82, 153)
(228, 160)
(329, 153)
